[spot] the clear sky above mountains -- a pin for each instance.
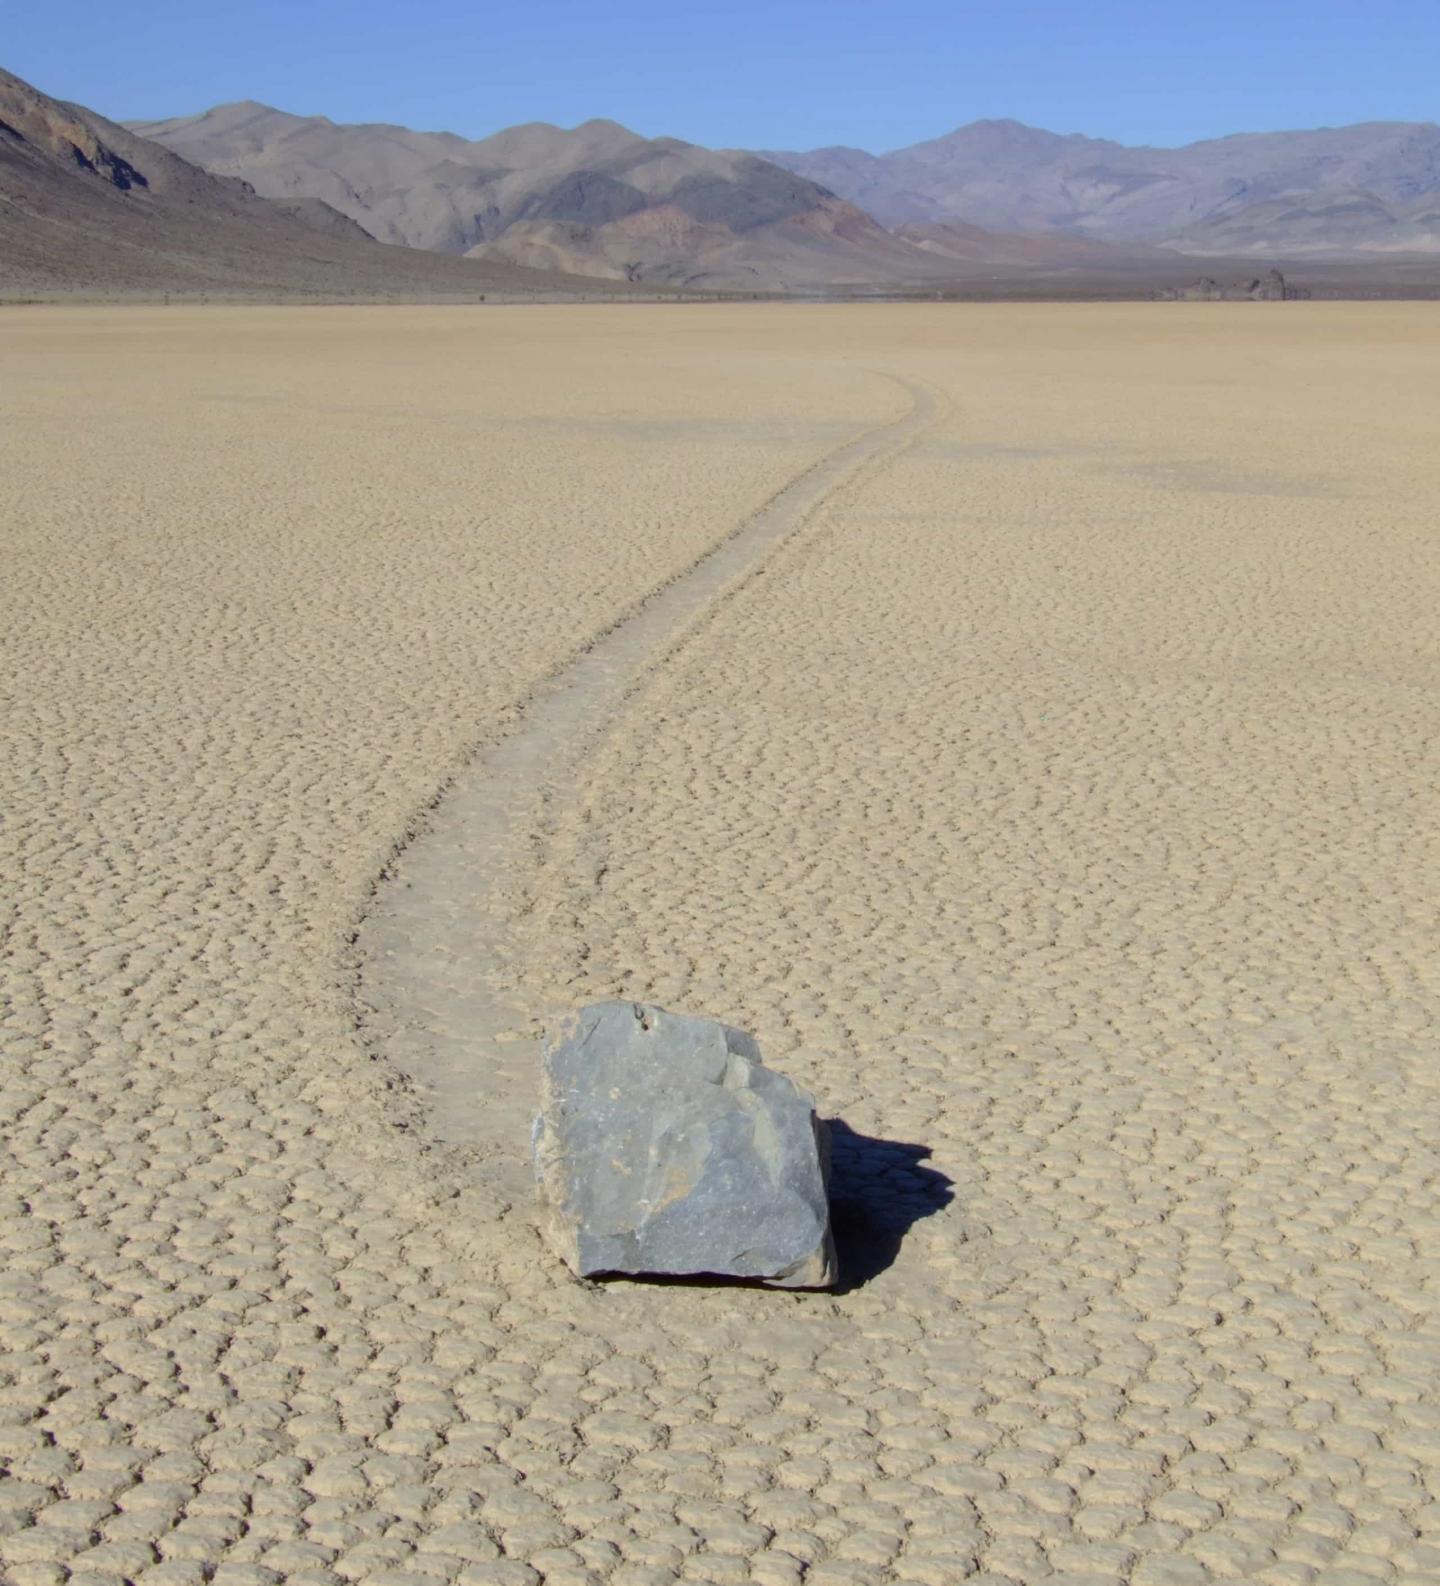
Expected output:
(787, 74)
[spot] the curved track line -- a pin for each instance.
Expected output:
(426, 955)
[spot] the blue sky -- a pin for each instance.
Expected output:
(780, 75)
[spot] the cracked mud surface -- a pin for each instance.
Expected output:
(1056, 801)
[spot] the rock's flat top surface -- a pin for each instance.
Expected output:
(665, 1146)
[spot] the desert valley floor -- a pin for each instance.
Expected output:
(1054, 794)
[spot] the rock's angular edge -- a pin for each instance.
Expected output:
(664, 1145)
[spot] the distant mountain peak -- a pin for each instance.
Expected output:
(604, 124)
(241, 108)
(1007, 126)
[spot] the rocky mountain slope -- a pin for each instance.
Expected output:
(87, 206)
(1325, 224)
(1344, 190)
(598, 199)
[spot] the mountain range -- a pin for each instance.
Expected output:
(597, 199)
(87, 206)
(602, 200)
(247, 199)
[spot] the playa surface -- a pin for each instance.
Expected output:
(1053, 794)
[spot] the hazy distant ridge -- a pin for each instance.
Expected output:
(1202, 197)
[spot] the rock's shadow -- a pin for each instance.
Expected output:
(878, 1190)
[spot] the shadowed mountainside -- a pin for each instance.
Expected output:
(87, 206)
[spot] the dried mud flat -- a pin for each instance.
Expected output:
(1054, 795)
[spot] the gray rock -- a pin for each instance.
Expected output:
(664, 1145)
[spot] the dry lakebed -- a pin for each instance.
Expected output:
(1024, 719)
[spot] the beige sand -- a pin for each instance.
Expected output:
(1058, 797)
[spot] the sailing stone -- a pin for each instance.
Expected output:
(665, 1146)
